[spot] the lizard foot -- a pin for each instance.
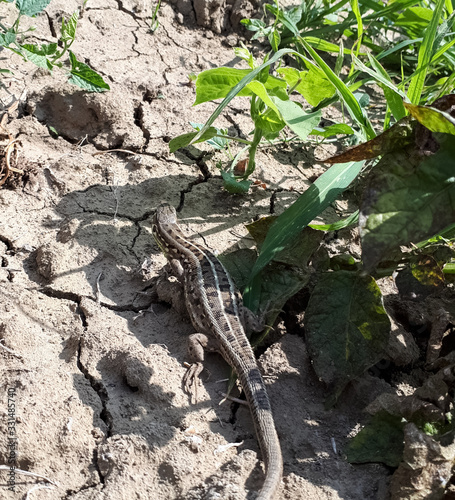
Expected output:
(191, 379)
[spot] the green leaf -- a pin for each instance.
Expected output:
(432, 118)
(259, 89)
(270, 123)
(393, 95)
(184, 140)
(85, 77)
(287, 21)
(296, 119)
(409, 197)
(7, 38)
(38, 55)
(414, 20)
(215, 142)
(232, 185)
(253, 24)
(275, 40)
(335, 129)
(68, 31)
(346, 326)
(324, 45)
(381, 440)
(313, 85)
(218, 82)
(31, 7)
(309, 205)
(238, 88)
(246, 55)
(46, 49)
(336, 226)
(345, 94)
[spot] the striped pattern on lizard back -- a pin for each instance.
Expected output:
(215, 309)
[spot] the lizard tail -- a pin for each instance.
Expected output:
(261, 411)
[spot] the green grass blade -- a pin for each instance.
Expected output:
(393, 95)
(309, 205)
(397, 48)
(336, 226)
(425, 54)
(358, 16)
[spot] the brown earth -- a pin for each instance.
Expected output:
(96, 367)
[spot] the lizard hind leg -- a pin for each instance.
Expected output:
(198, 343)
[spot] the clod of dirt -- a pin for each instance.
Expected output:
(426, 469)
(106, 119)
(217, 15)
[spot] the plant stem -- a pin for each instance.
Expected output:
(258, 133)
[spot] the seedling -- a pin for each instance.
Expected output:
(50, 55)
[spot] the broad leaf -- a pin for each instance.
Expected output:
(300, 122)
(7, 38)
(38, 55)
(346, 326)
(432, 118)
(381, 440)
(31, 7)
(85, 77)
(335, 129)
(312, 84)
(409, 197)
(218, 82)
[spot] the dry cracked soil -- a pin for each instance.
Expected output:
(94, 366)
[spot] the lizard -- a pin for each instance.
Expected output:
(216, 312)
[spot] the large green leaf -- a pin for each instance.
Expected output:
(381, 440)
(346, 326)
(432, 118)
(216, 83)
(312, 84)
(409, 197)
(31, 7)
(38, 55)
(300, 122)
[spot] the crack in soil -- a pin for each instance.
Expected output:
(204, 177)
(139, 122)
(95, 384)
(7, 242)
